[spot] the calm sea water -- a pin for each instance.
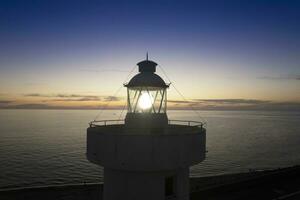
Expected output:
(43, 147)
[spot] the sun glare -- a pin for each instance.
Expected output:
(145, 101)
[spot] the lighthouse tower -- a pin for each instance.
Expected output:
(146, 156)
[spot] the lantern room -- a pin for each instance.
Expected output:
(146, 96)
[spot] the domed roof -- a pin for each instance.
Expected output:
(147, 79)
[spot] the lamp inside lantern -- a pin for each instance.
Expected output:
(145, 101)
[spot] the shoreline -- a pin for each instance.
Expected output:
(203, 186)
(250, 172)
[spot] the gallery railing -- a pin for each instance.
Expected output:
(96, 123)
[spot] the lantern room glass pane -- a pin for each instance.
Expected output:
(146, 100)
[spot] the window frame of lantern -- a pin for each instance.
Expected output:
(134, 94)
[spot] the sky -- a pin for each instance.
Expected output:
(224, 54)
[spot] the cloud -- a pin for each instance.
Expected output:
(76, 96)
(178, 101)
(232, 101)
(73, 97)
(234, 104)
(78, 99)
(33, 95)
(282, 77)
(5, 102)
(53, 107)
(112, 98)
(201, 104)
(219, 101)
(59, 95)
(29, 106)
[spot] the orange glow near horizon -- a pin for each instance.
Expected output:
(87, 89)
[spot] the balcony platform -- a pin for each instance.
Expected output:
(114, 145)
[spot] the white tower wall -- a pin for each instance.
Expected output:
(139, 165)
(144, 185)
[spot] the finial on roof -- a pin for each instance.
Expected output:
(147, 65)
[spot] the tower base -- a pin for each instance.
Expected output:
(158, 185)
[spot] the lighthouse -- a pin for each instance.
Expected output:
(146, 156)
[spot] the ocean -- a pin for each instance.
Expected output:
(47, 147)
